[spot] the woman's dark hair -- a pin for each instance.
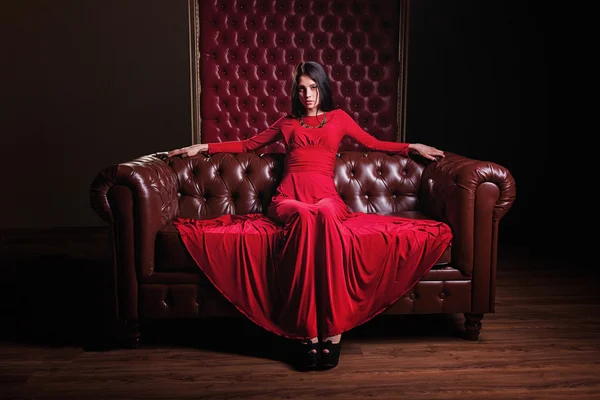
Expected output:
(317, 74)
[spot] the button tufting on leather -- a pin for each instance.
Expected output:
(356, 41)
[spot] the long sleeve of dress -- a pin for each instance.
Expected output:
(270, 135)
(371, 142)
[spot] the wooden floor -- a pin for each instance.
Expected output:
(543, 342)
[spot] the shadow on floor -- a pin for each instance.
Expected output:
(55, 300)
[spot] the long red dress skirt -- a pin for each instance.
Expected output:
(309, 270)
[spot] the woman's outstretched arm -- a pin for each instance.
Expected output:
(371, 142)
(270, 135)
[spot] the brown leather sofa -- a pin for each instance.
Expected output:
(157, 279)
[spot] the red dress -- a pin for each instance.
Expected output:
(311, 267)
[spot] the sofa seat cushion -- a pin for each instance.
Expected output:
(445, 259)
(172, 256)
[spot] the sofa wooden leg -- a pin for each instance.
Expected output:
(131, 334)
(472, 326)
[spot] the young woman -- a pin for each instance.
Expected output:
(335, 269)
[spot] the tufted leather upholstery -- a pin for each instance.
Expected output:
(249, 48)
(158, 279)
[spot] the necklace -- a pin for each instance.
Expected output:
(315, 126)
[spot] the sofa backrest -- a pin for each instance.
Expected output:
(248, 49)
(224, 183)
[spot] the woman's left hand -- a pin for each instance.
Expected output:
(430, 153)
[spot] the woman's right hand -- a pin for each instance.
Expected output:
(189, 150)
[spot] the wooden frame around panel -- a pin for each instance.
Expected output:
(402, 69)
(194, 31)
(195, 84)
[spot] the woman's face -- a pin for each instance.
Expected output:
(308, 91)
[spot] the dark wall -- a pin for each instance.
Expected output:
(478, 86)
(89, 84)
(85, 84)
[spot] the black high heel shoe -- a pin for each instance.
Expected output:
(309, 356)
(330, 359)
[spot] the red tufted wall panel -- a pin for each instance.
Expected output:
(247, 51)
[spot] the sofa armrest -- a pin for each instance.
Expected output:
(149, 177)
(136, 198)
(471, 196)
